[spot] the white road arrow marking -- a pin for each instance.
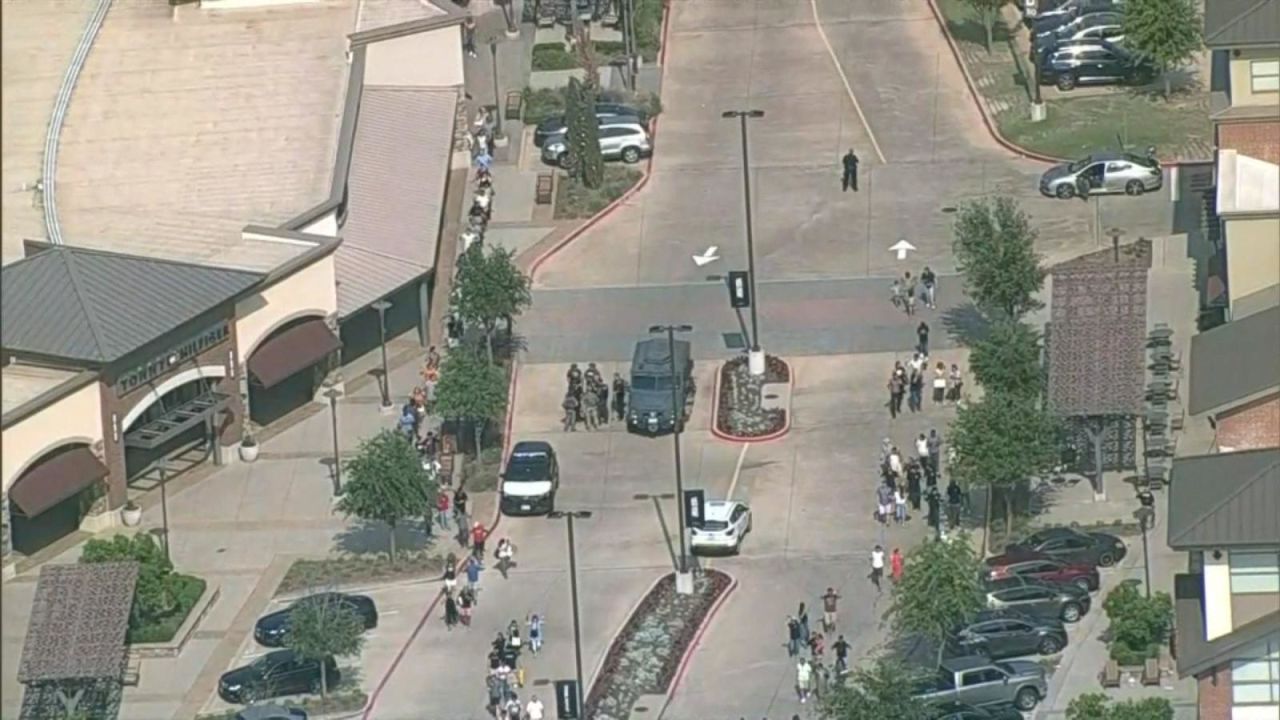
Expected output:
(709, 256)
(902, 247)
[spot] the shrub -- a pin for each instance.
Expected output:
(1138, 623)
(610, 49)
(575, 200)
(542, 103)
(162, 598)
(553, 56)
(648, 20)
(188, 590)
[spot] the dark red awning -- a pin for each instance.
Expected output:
(301, 346)
(55, 480)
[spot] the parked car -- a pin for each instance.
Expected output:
(1053, 12)
(271, 711)
(530, 480)
(270, 630)
(555, 125)
(1101, 173)
(1093, 26)
(1000, 634)
(1106, 63)
(1070, 545)
(1038, 599)
(620, 138)
(725, 524)
(962, 711)
(1044, 568)
(976, 680)
(277, 673)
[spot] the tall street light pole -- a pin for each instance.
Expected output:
(569, 517)
(497, 96)
(755, 358)
(333, 393)
(164, 504)
(382, 306)
(684, 581)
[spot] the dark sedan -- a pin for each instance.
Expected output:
(271, 628)
(556, 125)
(1000, 634)
(1042, 568)
(1070, 546)
(963, 711)
(1038, 599)
(277, 673)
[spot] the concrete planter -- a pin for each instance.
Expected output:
(173, 648)
(249, 451)
(131, 515)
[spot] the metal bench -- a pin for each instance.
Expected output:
(1151, 672)
(1110, 675)
(514, 106)
(544, 191)
(132, 670)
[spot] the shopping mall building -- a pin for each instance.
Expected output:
(221, 282)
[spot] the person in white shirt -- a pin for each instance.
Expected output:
(534, 709)
(877, 566)
(900, 505)
(922, 448)
(895, 463)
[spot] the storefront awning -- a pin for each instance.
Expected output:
(175, 421)
(301, 346)
(55, 480)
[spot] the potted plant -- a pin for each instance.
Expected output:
(131, 514)
(249, 444)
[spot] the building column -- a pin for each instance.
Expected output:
(424, 315)
(6, 533)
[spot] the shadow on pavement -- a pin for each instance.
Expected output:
(965, 324)
(364, 536)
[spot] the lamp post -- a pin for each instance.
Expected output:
(1146, 514)
(333, 393)
(509, 15)
(1037, 105)
(163, 465)
(755, 358)
(684, 581)
(382, 306)
(569, 516)
(497, 97)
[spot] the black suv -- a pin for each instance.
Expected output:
(555, 124)
(271, 628)
(530, 480)
(1100, 63)
(1000, 634)
(277, 673)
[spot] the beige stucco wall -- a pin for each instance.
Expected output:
(1241, 87)
(1253, 256)
(76, 418)
(312, 290)
(1217, 596)
(326, 225)
(426, 59)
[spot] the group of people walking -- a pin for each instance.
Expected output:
(907, 382)
(808, 646)
(586, 399)
(505, 676)
(907, 290)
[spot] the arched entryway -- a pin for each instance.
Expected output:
(51, 497)
(286, 369)
(178, 421)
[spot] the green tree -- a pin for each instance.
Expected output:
(583, 133)
(1137, 621)
(490, 288)
(1165, 32)
(1096, 706)
(1003, 441)
(155, 595)
(995, 252)
(883, 691)
(387, 483)
(321, 627)
(988, 13)
(471, 389)
(1008, 359)
(939, 590)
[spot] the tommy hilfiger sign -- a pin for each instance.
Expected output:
(162, 364)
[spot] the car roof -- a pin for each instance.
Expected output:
(266, 712)
(622, 121)
(967, 662)
(720, 509)
(532, 448)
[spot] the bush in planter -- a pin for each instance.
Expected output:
(553, 56)
(1138, 623)
(542, 103)
(162, 598)
(1097, 706)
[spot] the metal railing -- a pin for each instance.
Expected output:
(59, 115)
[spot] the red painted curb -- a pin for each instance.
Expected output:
(715, 412)
(697, 640)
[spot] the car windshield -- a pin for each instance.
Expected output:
(715, 525)
(650, 382)
(1079, 165)
(1008, 669)
(526, 470)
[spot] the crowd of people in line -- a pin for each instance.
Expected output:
(586, 399)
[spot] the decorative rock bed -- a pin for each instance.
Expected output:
(744, 408)
(645, 656)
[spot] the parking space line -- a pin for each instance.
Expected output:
(737, 471)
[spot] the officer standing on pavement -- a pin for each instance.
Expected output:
(850, 179)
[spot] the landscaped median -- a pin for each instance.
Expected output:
(1080, 121)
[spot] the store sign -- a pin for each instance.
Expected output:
(162, 364)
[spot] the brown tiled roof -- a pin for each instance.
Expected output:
(79, 619)
(1098, 315)
(1257, 139)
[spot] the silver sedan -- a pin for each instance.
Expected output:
(1103, 173)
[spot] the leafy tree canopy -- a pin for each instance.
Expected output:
(320, 627)
(1138, 621)
(939, 590)
(995, 251)
(471, 389)
(1096, 706)
(583, 134)
(155, 595)
(883, 691)
(1167, 32)
(989, 12)
(1008, 359)
(489, 288)
(387, 483)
